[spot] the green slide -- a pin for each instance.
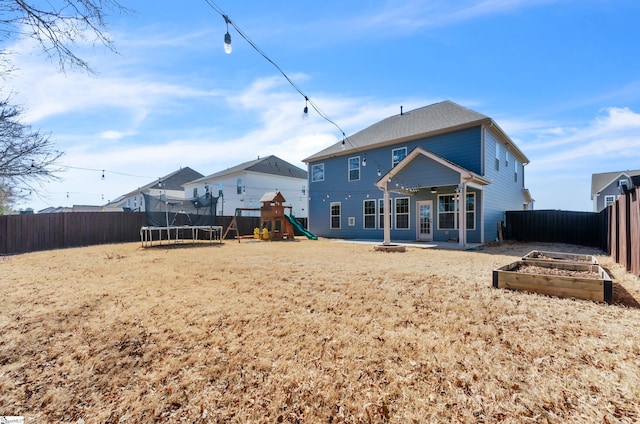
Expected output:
(300, 228)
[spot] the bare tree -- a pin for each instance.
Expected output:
(58, 25)
(27, 156)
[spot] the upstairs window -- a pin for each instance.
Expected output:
(317, 172)
(397, 155)
(239, 186)
(515, 171)
(195, 192)
(354, 168)
(498, 153)
(609, 200)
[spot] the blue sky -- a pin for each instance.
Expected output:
(562, 78)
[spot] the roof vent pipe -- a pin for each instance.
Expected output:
(401, 111)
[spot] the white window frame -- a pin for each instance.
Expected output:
(365, 214)
(354, 169)
(394, 156)
(398, 214)
(609, 199)
(332, 216)
(456, 211)
(453, 212)
(515, 171)
(239, 186)
(475, 206)
(313, 172)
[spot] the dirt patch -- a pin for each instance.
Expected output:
(540, 270)
(307, 331)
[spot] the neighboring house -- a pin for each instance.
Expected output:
(605, 187)
(170, 185)
(423, 161)
(54, 209)
(242, 186)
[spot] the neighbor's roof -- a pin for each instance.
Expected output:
(172, 181)
(426, 121)
(602, 180)
(272, 165)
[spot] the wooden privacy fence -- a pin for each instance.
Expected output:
(29, 233)
(624, 234)
(556, 226)
(34, 232)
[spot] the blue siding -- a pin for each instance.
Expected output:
(504, 193)
(461, 147)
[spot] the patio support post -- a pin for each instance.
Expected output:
(387, 217)
(462, 218)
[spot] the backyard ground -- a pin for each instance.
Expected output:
(308, 331)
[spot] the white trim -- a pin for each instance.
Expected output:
(331, 215)
(365, 215)
(313, 180)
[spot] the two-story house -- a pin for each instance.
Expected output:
(607, 186)
(438, 173)
(242, 186)
(169, 186)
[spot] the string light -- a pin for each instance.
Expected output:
(227, 45)
(227, 36)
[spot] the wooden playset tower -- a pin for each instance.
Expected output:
(272, 216)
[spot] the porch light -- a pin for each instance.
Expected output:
(433, 190)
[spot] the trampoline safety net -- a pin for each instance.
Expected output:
(198, 211)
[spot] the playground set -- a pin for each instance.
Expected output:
(275, 224)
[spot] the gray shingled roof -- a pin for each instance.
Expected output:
(600, 181)
(425, 121)
(172, 181)
(268, 165)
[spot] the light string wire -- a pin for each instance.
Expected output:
(318, 110)
(268, 59)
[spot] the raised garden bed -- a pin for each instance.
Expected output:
(554, 257)
(570, 280)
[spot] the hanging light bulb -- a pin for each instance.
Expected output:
(227, 37)
(342, 145)
(305, 112)
(379, 173)
(364, 161)
(103, 174)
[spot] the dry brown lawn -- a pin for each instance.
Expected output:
(308, 331)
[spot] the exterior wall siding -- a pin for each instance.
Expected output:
(461, 147)
(610, 190)
(253, 187)
(504, 193)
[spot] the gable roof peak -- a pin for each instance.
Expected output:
(421, 122)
